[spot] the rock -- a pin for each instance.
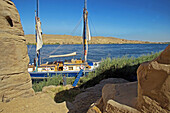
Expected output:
(94, 109)
(164, 57)
(84, 100)
(15, 80)
(154, 84)
(114, 107)
(9, 19)
(125, 94)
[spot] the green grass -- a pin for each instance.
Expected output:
(31, 43)
(56, 80)
(123, 67)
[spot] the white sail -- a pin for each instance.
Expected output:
(88, 32)
(39, 34)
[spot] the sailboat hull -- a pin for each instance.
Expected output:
(42, 75)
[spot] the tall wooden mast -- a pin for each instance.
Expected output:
(85, 43)
(38, 35)
(38, 51)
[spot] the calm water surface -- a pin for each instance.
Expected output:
(96, 52)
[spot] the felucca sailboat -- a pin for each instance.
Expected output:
(69, 68)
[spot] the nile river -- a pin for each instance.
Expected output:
(96, 52)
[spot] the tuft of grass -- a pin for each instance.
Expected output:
(55, 80)
(31, 43)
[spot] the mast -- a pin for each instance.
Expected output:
(37, 8)
(86, 32)
(38, 51)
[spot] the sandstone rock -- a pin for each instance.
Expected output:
(84, 100)
(115, 107)
(10, 19)
(15, 80)
(154, 84)
(125, 93)
(94, 109)
(164, 57)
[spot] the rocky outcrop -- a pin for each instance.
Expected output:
(154, 84)
(9, 19)
(123, 93)
(15, 80)
(164, 57)
(117, 98)
(90, 95)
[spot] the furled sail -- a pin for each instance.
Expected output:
(88, 32)
(65, 55)
(39, 34)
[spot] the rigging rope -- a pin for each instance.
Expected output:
(92, 25)
(77, 25)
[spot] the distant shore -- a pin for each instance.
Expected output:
(95, 44)
(68, 39)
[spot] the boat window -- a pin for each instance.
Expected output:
(60, 68)
(52, 68)
(70, 68)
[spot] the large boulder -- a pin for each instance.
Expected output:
(120, 95)
(125, 93)
(15, 80)
(154, 84)
(90, 95)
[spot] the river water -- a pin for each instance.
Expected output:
(96, 52)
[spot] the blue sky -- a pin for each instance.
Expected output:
(146, 20)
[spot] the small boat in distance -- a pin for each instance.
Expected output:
(70, 68)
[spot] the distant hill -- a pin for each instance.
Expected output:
(68, 39)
